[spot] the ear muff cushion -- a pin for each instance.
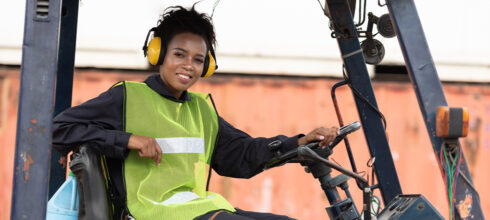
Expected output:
(154, 51)
(209, 66)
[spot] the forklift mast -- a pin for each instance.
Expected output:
(48, 57)
(47, 74)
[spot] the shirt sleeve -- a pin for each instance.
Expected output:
(98, 120)
(239, 155)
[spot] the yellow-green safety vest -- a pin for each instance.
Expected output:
(186, 132)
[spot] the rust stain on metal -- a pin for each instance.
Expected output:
(27, 164)
(62, 161)
(464, 206)
(472, 144)
(34, 121)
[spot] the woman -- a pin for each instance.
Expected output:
(159, 139)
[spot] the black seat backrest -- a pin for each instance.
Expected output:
(86, 165)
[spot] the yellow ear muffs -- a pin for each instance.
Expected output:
(154, 51)
(209, 65)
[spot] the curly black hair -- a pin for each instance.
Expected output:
(177, 19)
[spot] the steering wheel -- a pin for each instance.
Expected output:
(291, 156)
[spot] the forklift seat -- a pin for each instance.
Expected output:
(86, 164)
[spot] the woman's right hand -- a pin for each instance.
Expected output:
(146, 146)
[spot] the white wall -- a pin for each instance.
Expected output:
(256, 36)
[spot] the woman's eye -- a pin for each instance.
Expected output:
(179, 55)
(199, 60)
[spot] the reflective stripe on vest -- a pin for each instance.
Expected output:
(180, 197)
(186, 132)
(181, 145)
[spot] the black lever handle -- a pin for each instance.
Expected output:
(280, 159)
(283, 158)
(307, 153)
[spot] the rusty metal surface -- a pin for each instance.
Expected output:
(266, 106)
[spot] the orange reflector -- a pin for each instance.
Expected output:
(452, 122)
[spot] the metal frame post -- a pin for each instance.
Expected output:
(32, 152)
(352, 56)
(428, 88)
(64, 83)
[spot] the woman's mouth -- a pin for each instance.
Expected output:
(184, 78)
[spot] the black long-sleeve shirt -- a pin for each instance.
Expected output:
(99, 121)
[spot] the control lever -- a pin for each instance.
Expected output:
(280, 159)
(344, 131)
(307, 153)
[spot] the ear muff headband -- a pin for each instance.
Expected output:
(155, 52)
(209, 65)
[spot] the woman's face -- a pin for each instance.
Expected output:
(183, 62)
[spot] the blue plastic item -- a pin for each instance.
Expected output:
(64, 203)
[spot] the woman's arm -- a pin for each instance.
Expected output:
(98, 120)
(237, 154)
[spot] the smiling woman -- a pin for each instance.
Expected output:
(183, 63)
(160, 140)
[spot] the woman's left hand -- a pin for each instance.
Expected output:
(324, 135)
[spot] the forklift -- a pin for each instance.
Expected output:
(47, 79)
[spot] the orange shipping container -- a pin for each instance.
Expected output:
(267, 106)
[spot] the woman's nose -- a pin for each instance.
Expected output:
(187, 64)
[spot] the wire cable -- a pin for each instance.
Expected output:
(321, 6)
(377, 201)
(451, 163)
(214, 7)
(458, 166)
(361, 22)
(465, 178)
(450, 182)
(358, 94)
(362, 173)
(333, 159)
